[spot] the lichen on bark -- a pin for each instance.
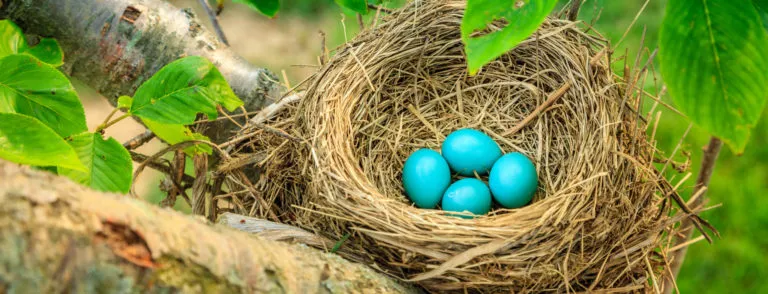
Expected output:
(58, 236)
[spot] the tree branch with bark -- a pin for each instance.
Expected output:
(114, 46)
(58, 236)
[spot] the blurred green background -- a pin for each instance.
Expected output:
(734, 263)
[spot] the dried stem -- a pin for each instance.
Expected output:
(139, 140)
(379, 8)
(573, 11)
(686, 227)
(214, 21)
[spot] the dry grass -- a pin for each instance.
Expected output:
(332, 162)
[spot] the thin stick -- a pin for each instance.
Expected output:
(551, 99)
(686, 244)
(360, 22)
(686, 227)
(323, 50)
(139, 140)
(573, 11)
(629, 28)
(379, 8)
(269, 111)
(214, 21)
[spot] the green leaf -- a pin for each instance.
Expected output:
(25, 140)
(359, 6)
(108, 164)
(48, 51)
(267, 7)
(30, 87)
(181, 90)
(174, 134)
(124, 102)
(714, 56)
(762, 10)
(12, 41)
(519, 20)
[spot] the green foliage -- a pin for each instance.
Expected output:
(518, 19)
(108, 165)
(713, 59)
(124, 102)
(42, 122)
(762, 9)
(48, 51)
(181, 90)
(25, 140)
(30, 87)
(359, 6)
(12, 42)
(174, 134)
(267, 7)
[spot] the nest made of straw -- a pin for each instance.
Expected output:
(333, 160)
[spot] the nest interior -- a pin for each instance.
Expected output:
(333, 160)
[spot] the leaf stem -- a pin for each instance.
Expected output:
(111, 123)
(106, 120)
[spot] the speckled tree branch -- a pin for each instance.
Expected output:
(115, 45)
(59, 237)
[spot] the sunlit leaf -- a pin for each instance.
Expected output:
(359, 6)
(48, 51)
(12, 41)
(267, 7)
(124, 102)
(517, 19)
(713, 59)
(26, 140)
(31, 87)
(108, 164)
(174, 134)
(181, 90)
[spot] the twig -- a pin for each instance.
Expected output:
(323, 50)
(379, 8)
(139, 140)
(157, 155)
(573, 11)
(214, 21)
(269, 111)
(178, 167)
(199, 188)
(360, 21)
(159, 166)
(686, 227)
(552, 98)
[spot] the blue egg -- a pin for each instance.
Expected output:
(425, 177)
(469, 150)
(467, 195)
(513, 180)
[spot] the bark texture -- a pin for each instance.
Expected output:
(115, 45)
(57, 236)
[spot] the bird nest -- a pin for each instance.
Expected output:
(332, 161)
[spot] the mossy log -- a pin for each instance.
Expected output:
(57, 236)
